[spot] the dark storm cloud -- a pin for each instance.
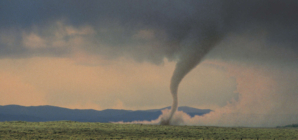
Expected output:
(181, 22)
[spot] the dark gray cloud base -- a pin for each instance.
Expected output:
(180, 21)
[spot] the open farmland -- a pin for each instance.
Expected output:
(78, 130)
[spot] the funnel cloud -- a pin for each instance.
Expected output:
(185, 65)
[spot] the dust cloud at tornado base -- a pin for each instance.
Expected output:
(266, 99)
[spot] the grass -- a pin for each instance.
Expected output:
(78, 130)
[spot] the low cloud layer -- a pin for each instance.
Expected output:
(143, 30)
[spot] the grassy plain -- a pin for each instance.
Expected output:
(88, 131)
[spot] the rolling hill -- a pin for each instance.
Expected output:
(53, 113)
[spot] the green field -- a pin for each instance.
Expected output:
(78, 130)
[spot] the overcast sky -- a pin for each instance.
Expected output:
(121, 54)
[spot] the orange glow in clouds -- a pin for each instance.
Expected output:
(89, 82)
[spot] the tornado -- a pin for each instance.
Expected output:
(189, 60)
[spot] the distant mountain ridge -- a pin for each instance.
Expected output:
(53, 113)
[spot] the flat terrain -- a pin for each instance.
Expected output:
(78, 130)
